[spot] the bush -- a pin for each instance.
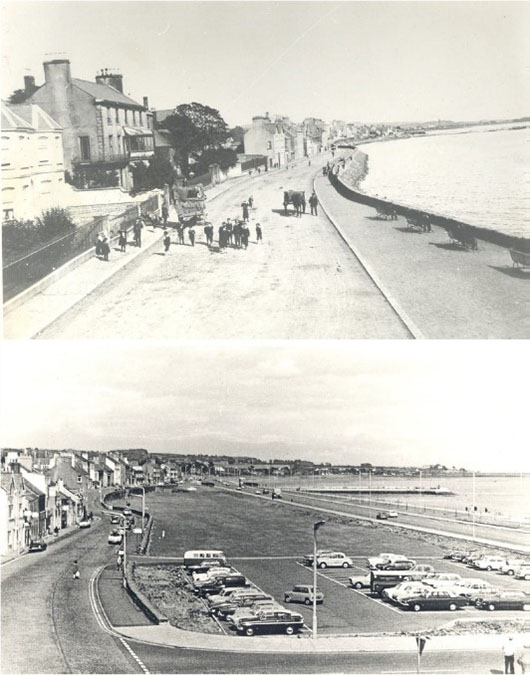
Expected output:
(55, 222)
(22, 236)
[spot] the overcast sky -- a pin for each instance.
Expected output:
(457, 403)
(369, 61)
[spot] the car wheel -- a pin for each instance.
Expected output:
(452, 607)
(489, 568)
(289, 630)
(510, 573)
(345, 565)
(406, 578)
(527, 577)
(491, 607)
(287, 598)
(249, 631)
(307, 601)
(416, 607)
(322, 565)
(357, 585)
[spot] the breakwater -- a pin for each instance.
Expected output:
(355, 490)
(351, 172)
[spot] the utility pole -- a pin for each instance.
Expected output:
(315, 528)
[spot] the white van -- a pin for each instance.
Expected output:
(197, 557)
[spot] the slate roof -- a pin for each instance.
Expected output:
(105, 92)
(35, 116)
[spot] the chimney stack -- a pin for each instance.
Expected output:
(112, 79)
(29, 84)
(146, 103)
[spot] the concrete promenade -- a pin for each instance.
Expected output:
(445, 291)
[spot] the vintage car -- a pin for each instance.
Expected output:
(509, 600)
(397, 565)
(85, 523)
(472, 589)
(405, 589)
(511, 566)
(37, 546)
(360, 581)
(329, 559)
(523, 572)
(114, 537)
(489, 563)
(456, 555)
(229, 606)
(441, 579)
(218, 584)
(271, 621)
(248, 612)
(435, 600)
(303, 593)
(383, 558)
(210, 573)
(382, 515)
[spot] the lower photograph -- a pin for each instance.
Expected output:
(264, 507)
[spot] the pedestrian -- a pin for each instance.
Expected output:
(508, 649)
(251, 201)
(237, 235)
(118, 560)
(137, 229)
(75, 570)
(244, 206)
(180, 233)
(313, 203)
(259, 234)
(165, 213)
(191, 236)
(56, 531)
(99, 245)
(245, 233)
(167, 241)
(524, 658)
(122, 239)
(105, 248)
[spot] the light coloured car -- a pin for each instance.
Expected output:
(114, 537)
(511, 566)
(253, 610)
(384, 558)
(211, 573)
(441, 579)
(523, 573)
(403, 590)
(471, 588)
(233, 592)
(360, 581)
(489, 563)
(85, 523)
(303, 593)
(392, 514)
(334, 559)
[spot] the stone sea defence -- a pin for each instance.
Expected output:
(348, 172)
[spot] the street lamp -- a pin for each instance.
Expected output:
(124, 549)
(315, 528)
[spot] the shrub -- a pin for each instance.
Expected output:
(55, 222)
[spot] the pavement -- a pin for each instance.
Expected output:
(33, 316)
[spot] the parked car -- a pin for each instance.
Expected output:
(382, 515)
(511, 566)
(210, 573)
(223, 609)
(213, 587)
(441, 579)
(403, 590)
(505, 600)
(489, 563)
(115, 520)
(331, 559)
(392, 514)
(86, 522)
(472, 557)
(114, 537)
(456, 555)
(35, 546)
(523, 572)
(383, 558)
(398, 565)
(271, 621)
(360, 581)
(127, 512)
(472, 589)
(205, 565)
(303, 593)
(230, 592)
(438, 599)
(247, 612)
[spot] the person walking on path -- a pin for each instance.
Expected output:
(167, 241)
(313, 203)
(245, 233)
(237, 235)
(180, 233)
(244, 206)
(251, 201)
(137, 229)
(508, 649)
(165, 213)
(259, 234)
(191, 235)
(122, 240)
(75, 570)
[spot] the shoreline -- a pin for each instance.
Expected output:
(356, 168)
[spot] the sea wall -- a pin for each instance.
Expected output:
(349, 171)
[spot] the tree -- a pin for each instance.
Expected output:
(21, 95)
(195, 128)
(158, 173)
(225, 157)
(238, 134)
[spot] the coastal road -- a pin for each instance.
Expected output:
(302, 282)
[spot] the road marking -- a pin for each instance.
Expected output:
(131, 652)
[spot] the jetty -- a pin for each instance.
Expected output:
(357, 490)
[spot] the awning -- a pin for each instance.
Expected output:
(132, 131)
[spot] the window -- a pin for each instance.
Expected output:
(111, 144)
(117, 111)
(126, 116)
(9, 214)
(134, 116)
(269, 145)
(84, 146)
(109, 113)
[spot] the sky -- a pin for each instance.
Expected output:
(357, 61)
(458, 403)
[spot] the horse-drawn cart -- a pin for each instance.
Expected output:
(296, 198)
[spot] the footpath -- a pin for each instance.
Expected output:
(444, 291)
(75, 282)
(129, 622)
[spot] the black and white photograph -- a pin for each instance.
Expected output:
(264, 354)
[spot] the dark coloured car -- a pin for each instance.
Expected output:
(224, 609)
(35, 546)
(281, 621)
(511, 600)
(382, 515)
(398, 565)
(456, 555)
(435, 601)
(221, 582)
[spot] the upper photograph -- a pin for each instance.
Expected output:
(277, 170)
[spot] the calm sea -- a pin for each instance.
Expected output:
(507, 496)
(480, 177)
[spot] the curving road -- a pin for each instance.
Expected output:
(302, 282)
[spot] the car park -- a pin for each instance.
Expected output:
(489, 563)
(114, 537)
(303, 593)
(85, 523)
(330, 559)
(360, 581)
(35, 546)
(523, 572)
(509, 600)
(511, 566)
(436, 600)
(271, 621)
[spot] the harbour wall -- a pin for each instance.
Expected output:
(353, 193)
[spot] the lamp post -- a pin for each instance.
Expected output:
(315, 528)
(141, 487)
(124, 567)
(474, 507)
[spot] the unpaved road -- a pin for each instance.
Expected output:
(301, 282)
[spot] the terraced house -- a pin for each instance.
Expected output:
(105, 132)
